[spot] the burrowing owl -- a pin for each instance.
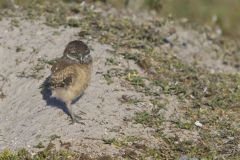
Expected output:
(71, 74)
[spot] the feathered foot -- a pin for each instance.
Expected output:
(74, 118)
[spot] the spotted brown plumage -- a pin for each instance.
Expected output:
(71, 74)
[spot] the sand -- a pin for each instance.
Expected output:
(28, 115)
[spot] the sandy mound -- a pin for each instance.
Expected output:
(29, 115)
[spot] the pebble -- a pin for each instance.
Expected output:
(198, 124)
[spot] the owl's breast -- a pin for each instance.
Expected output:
(82, 78)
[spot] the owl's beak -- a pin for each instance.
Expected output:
(86, 59)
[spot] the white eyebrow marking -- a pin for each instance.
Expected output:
(74, 59)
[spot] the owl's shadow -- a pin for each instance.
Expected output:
(52, 101)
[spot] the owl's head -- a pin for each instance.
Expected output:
(77, 51)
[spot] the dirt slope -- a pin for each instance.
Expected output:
(28, 114)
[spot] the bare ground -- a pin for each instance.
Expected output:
(29, 115)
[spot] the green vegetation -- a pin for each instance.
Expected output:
(111, 61)
(151, 120)
(134, 78)
(223, 13)
(39, 145)
(129, 99)
(108, 78)
(47, 153)
(15, 23)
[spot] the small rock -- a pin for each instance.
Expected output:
(198, 124)
(194, 158)
(183, 158)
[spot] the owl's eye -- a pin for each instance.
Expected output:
(73, 53)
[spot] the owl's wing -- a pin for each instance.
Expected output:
(62, 78)
(64, 83)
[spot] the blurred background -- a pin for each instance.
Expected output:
(224, 14)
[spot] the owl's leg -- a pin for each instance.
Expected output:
(75, 119)
(70, 111)
(78, 119)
